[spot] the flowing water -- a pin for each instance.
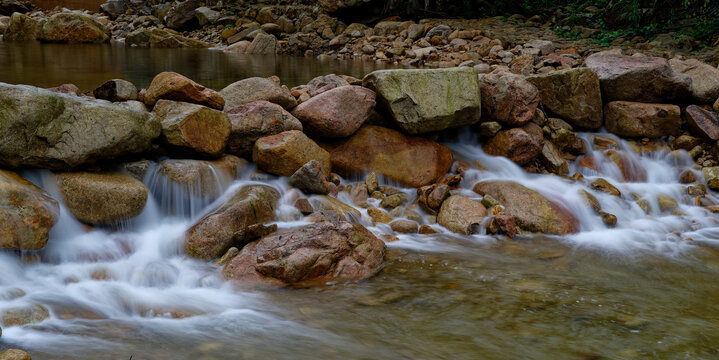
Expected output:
(646, 289)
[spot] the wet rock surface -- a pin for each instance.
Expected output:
(27, 213)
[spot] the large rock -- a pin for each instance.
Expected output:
(336, 113)
(255, 120)
(257, 88)
(426, 100)
(520, 145)
(702, 122)
(263, 44)
(114, 8)
(532, 211)
(27, 213)
(74, 28)
(116, 90)
(102, 198)
(8, 7)
(412, 161)
(507, 98)
(14, 354)
(207, 16)
(311, 255)
(22, 28)
(633, 119)
(182, 15)
(173, 86)
(162, 38)
(193, 128)
(311, 178)
(39, 128)
(212, 235)
(711, 176)
(284, 153)
(461, 215)
(705, 78)
(202, 177)
(573, 95)
(632, 78)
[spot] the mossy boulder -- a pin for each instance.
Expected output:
(22, 28)
(74, 28)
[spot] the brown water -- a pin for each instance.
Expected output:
(88, 66)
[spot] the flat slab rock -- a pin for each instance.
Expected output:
(311, 255)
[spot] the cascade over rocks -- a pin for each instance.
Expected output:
(573, 95)
(257, 88)
(532, 211)
(310, 255)
(633, 119)
(336, 113)
(412, 161)
(211, 237)
(199, 177)
(520, 145)
(702, 122)
(507, 98)
(426, 100)
(173, 86)
(461, 215)
(286, 152)
(632, 78)
(193, 128)
(27, 213)
(40, 128)
(255, 120)
(74, 28)
(102, 198)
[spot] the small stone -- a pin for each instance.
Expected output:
(229, 255)
(604, 186)
(687, 177)
(378, 216)
(489, 202)
(304, 206)
(404, 226)
(426, 230)
(608, 219)
(310, 178)
(372, 182)
(391, 201)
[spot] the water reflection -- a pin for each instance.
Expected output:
(87, 66)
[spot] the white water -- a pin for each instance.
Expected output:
(137, 280)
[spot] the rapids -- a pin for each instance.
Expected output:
(129, 292)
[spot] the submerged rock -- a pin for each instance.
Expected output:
(532, 211)
(310, 255)
(462, 215)
(412, 161)
(633, 119)
(40, 128)
(257, 88)
(27, 213)
(212, 236)
(74, 28)
(255, 120)
(173, 86)
(425, 100)
(102, 198)
(193, 128)
(573, 95)
(521, 145)
(284, 153)
(29, 314)
(507, 98)
(637, 78)
(336, 113)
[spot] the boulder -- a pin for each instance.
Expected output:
(173, 86)
(573, 95)
(70, 89)
(263, 44)
(507, 98)
(193, 128)
(22, 28)
(114, 8)
(324, 83)
(74, 28)
(336, 113)
(40, 128)
(211, 237)
(426, 100)
(705, 78)
(311, 178)
(162, 38)
(711, 176)
(404, 226)
(531, 211)
(14, 354)
(257, 88)
(202, 177)
(27, 213)
(412, 161)
(286, 152)
(102, 198)
(520, 145)
(702, 122)
(311, 255)
(636, 78)
(116, 90)
(461, 215)
(255, 120)
(633, 119)
(206, 15)
(182, 15)
(8, 7)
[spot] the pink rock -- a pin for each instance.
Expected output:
(336, 113)
(508, 98)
